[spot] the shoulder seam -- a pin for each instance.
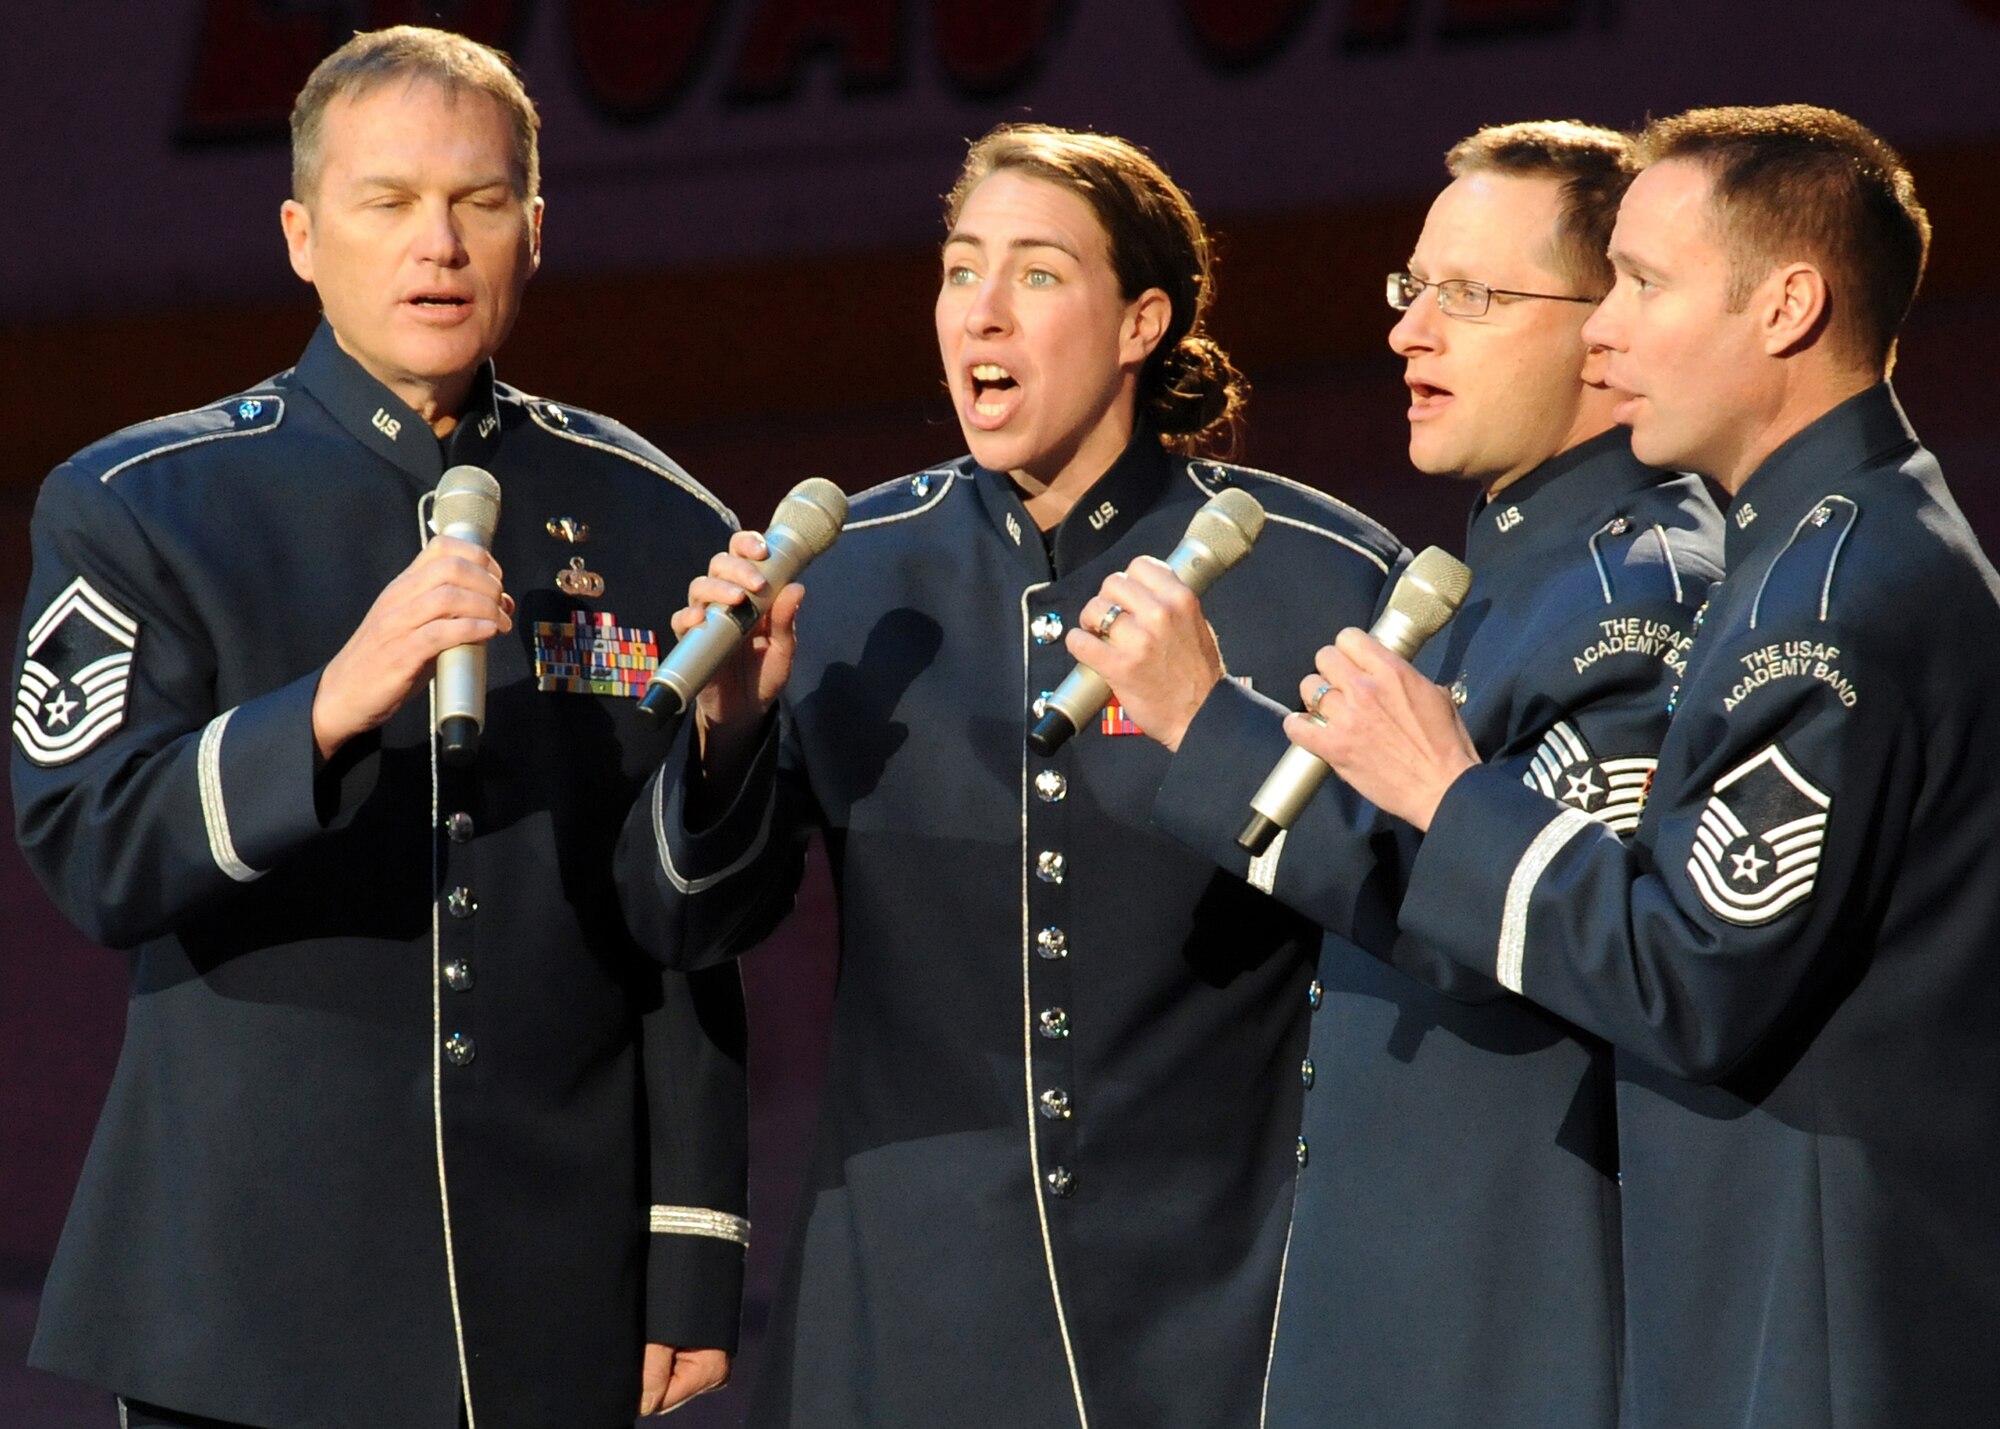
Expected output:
(683, 481)
(950, 475)
(272, 426)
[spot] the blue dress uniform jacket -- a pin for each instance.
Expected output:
(1055, 1157)
(1795, 958)
(1454, 1252)
(380, 1122)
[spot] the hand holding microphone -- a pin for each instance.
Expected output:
(1424, 600)
(724, 607)
(1221, 534)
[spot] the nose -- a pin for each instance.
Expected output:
(438, 239)
(1417, 327)
(1604, 328)
(989, 312)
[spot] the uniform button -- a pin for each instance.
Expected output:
(460, 903)
(1046, 628)
(1061, 1184)
(458, 975)
(1055, 1104)
(555, 414)
(1055, 1022)
(459, 827)
(1822, 515)
(1051, 786)
(458, 1049)
(920, 484)
(1619, 526)
(1302, 1153)
(1459, 691)
(1315, 995)
(1306, 1073)
(1049, 867)
(1052, 943)
(1041, 705)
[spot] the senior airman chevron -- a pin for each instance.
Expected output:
(75, 670)
(1768, 830)
(591, 654)
(1612, 791)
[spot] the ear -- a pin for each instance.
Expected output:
(1146, 319)
(535, 235)
(296, 219)
(1793, 307)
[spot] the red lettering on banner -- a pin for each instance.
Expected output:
(989, 49)
(1484, 19)
(639, 56)
(866, 35)
(250, 60)
(1376, 24)
(1238, 33)
(491, 22)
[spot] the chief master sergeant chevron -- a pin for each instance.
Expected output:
(377, 1147)
(1795, 956)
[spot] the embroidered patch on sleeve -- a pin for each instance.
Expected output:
(74, 677)
(1612, 791)
(592, 654)
(1756, 849)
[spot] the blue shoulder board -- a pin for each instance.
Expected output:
(247, 414)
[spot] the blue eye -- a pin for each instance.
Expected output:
(959, 276)
(1039, 278)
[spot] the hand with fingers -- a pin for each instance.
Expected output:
(1144, 633)
(669, 1378)
(449, 595)
(730, 709)
(1392, 735)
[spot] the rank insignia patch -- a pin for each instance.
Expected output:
(591, 654)
(1756, 849)
(1612, 791)
(73, 681)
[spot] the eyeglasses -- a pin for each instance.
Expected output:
(1461, 297)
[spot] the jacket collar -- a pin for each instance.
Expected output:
(1553, 504)
(385, 424)
(1101, 516)
(1862, 431)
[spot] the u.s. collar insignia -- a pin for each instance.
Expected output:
(592, 654)
(1611, 791)
(73, 680)
(1756, 849)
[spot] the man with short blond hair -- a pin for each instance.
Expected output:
(408, 1128)
(1454, 1247)
(1794, 955)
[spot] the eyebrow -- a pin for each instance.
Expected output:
(973, 240)
(388, 181)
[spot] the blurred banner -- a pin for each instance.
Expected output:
(148, 154)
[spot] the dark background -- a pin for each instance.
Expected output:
(741, 264)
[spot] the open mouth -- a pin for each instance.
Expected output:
(1426, 397)
(438, 302)
(993, 389)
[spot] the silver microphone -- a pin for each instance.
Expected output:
(1424, 600)
(1220, 535)
(465, 505)
(805, 524)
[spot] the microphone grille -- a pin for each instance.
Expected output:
(1429, 592)
(814, 511)
(467, 496)
(1228, 525)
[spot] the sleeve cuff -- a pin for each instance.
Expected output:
(1229, 748)
(694, 1278)
(696, 860)
(1476, 869)
(255, 770)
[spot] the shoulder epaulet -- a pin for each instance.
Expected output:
(594, 429)
(902, 498)
(248, 414)
(1805, 566)
(1293, 503)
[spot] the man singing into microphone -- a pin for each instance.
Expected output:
(377, 1149)
(1454, 1255)
(1794, 955)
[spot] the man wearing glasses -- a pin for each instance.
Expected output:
(1455, 1247)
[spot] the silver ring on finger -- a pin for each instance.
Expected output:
(1109, 619)
(1312, 705)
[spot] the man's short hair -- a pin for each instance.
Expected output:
(413, 52)
(1794, 182)
(1593, 167)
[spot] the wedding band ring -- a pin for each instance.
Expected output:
(1107, 620)
(1312, 705)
